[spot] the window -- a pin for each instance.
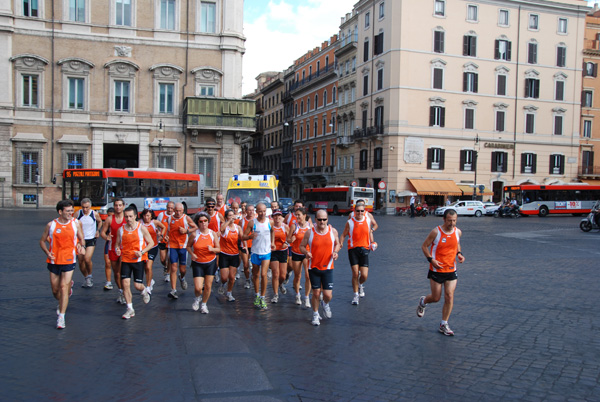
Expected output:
(378, 158)
(559, 90)
(29, 166)
(301, 108)
(562, 25)
(366, 50)
(470, 82)
(469, 118)
(366, 85)
(30, 8)
(316, 128)
(532, 53)
(167, 14)
(307, 105)
(587, 97)
(325, 98)
(503, 18)
(435, 158)
(323, 156)
(123, 12)
(381, 10)
(74, 160)
(208, 17)
(438, 78)
(364, 157)
(529, 123)
(590, 69)
(333, 94)
(534, 21)
(470, 45)
(30, 90)
(207, 90)
(316, 101)
(314, 160)
(500, 119)
(439, 8)
(205, 166)
(587, 162)
(378, 44)
(499, 162)
(472, 13)
(502, 50)
(379, 119)
(557, 164)
(367, 19)
(561, 56)
(501, 85)
(558, 125)
(166, 98)
(307, 130)
(528, 162)
(532, 88)
(587, 128)
(437, 116)
(77, 10)
(438, 41)
(380, 79)
(466, 160)
(76, 96)
(122, 96)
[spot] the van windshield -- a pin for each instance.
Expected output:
(250, 195)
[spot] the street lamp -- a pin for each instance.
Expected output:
(475, 166)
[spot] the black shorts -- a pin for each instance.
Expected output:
(298, 257)
(57, 269)
(226, 260)
(280, 256)
(106, 248)
(321, 277)
(90, 242)
(359, 256)
(243, 250)
(203, 269)
(137, 268)
(441, 277)
(152, 253)
(162, 246)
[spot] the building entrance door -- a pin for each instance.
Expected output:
(121, 156)
(497, 189)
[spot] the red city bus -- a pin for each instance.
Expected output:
(338, 199)
(140, 188)
(553, 199)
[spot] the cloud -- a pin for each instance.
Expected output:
(285, 31)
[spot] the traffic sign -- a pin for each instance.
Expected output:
(354, 184)
(381, 185)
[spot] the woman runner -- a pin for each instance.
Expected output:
(229, 258)
(157, 231)
(279, 255)
(295, 236)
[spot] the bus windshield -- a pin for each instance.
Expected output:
(250, 195)
(78, 189)
(363, 194)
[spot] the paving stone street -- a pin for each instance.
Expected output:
(525, 318)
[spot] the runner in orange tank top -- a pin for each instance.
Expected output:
(114, 223)
(246, 244)
(324, 246)
(279, 255)
(164, 217)
(133, 242)
(180, 225)
(157, 231)
(61, 241)
(298, 260)
(441, 249)
(229, 257)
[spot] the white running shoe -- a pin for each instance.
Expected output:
(282, 289)
(173, 294)
(287, 279)
(183, 283)
(237, 276)
(269, 274)
(275, 299)
(218, 276)
(361, 291)
(167, 277)
(222, 289)
(128, 314)
(299, 300)
(326, 309)
(152, 285)
(306, 302)
(230, 297)
(316, 320)
(121, 298)
(247, 284)
(196, 304)
(60, 323)
(421, 307)
(204, 309)
(145, 296)
(108, 286)
(355, 300)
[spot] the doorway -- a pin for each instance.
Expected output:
(497, 189)
(121, 156)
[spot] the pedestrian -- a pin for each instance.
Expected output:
(107, 265)
(229, 257)
(246, 245)
(412, 206)
(133, 243)
(61, 241)
(164, 217)
(279, 255)
(91, 224)
(299, 262)
(109, 232)
(261, 233)
(203, 247)
(324, 246)
(374, 225)
(215, 223)
(221, 207)
(157, 231)
(442, 248)
(180, 225)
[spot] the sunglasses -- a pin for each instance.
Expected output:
(322, 220)
(202, 220)
(210, 206)
(360, 210)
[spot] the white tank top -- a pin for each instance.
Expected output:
(88, 224)
(262, 243)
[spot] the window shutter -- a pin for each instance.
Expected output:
(431, 116)
(462, 160)
(465, 81)
(496, 49)
(527, 85)
(505, 164)
(536, 89)
(595, 74)
(473, 51)
(442, 158)
(508, 50)
(366, 51)
(475, 82)
(442, 117)
(376, 45)
(429, 157)
(494, 166)
(523, 162)
(562, 164)
(584, 69)
(437, 78)
(465, 45)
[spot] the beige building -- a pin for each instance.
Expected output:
(450, 89)
(94, 84)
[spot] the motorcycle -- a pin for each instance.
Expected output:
(421, 211)
(592, 220)
(513, 212)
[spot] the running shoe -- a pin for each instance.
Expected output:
(71, 290)
(196, 304)
(128, 314)
(282, 289)
(299, 300)
(60, 323)
(355, 300)
(445, 329)
(203, 309)
(91, 282)
(275, 299)
(145, 296)
(222, 289)
(108, 286)
(58, 309)
(230, 297)
(167, 275)
(247, 284)
(269, 274)
(152, 286)
(421, 307)
(287, 279)
(361, 291)
(123, 301)
(321, 297)
(173, 294)
(326, 309)
(183, 283)
(263, 304)
(316, 320)
(257, 301)
(237, 276)
(306, 302)
(120, 298)
(218, 276)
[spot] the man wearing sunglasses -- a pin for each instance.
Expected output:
(215, 223)
(324, 245)
(180, 225)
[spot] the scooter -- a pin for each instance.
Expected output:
(592, 220)
(513, 212)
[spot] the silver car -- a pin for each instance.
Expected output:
(464, 208)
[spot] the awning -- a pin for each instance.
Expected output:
(591, 182)
(468, 190)
(435, 187)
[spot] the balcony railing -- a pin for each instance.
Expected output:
(222, 113)
(588, 171)
(367, 132)
(306, 80)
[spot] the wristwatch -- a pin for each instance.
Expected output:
(429, 259)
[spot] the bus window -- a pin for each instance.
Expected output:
(192, 187)
(131, 188)
(181, 188)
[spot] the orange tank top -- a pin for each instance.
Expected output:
(244, 224)
(215, 223)
(280, 237)
(201, 243)
(291, 218)
(358, 235)
(132, 241)
(63, 242)
(299, 234)
(321, 248)
(153, 230)
(443, 250)
(222, 209)
(229, 241)
(164, 219)
(176, 239)
(114, 229)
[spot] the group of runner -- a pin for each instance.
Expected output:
(219, 239)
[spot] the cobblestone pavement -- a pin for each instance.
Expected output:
(525, 318)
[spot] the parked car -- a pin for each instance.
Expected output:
(286, 204)
(491, 208)
(464, 208)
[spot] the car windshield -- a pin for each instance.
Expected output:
(285, 202)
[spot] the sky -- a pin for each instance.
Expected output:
(280, 31)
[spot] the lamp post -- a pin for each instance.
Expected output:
(160, 140)
(475, 166)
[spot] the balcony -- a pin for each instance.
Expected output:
(344, 141)
(588, 171)
(256, 150)
(347, 45)
(210, 113)
(323, 72)
(364, 133)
